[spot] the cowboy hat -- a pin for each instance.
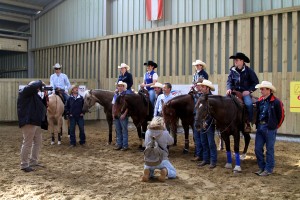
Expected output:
(157, 123)
(151, 63)
(124, 65)
(266, 84)
(122, 83)
(57, 66)
(158, 85)
(72, 87)
(199, 62)
(208, 84)
(241, 56)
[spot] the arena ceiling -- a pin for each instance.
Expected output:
(15, 16)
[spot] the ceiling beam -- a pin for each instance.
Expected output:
(15, 15)
(14, 19)
(21, 4)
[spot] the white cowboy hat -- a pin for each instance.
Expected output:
(72, 87)
(208, 84)
(157, 84)
(57, 65)
(199, 62)
(124, 65)
(266, 84)
(122, 83)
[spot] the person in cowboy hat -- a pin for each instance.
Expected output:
(207, 134)
(243, 79)
(166, 96)
(157, 129)
(121, 122)
(270, 115)
(73, 108)
(150, 78)
(158, 88)
(199, 71)
(125, 76)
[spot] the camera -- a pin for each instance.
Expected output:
(47, 88)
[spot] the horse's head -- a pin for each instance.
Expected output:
(202, 111)
(89, 101)
(119, 106)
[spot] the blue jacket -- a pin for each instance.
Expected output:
(275, 112)
(74, 105)
(201, 74)
(31, 109)
(246, 80)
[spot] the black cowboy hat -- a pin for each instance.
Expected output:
(150, 62)
(241, 56)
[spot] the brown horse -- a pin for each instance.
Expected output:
(104, 98)
(228, 115)
(55, 111)
(180, 107)
(139, 109)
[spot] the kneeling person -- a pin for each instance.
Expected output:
(157, 130)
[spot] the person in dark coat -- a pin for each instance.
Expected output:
(125, 77)
(31, 113)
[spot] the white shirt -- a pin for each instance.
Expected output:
(60, 81)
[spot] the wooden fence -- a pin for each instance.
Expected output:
(269, 38)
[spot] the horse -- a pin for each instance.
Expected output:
(139, 108)
(55, 111)
(104, 98)
(228, 114)
(180, 107)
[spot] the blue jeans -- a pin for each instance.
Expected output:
(152, 97)
(268, 137)
(164, 164)
(198, 144)
(209, 145)
(80, 122)
(122, 132)
(248, 102)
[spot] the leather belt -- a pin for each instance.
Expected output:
(262, 122)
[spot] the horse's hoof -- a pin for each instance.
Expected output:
(228, 166)
(52, 143)
(185, 151)
(243, 156)
(59, 142)
(237, 168)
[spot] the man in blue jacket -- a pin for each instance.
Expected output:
(243, 79)
(270, 115)
(31, 113)
(73, 109)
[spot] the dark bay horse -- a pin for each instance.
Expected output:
(104, 98)
(228, 115)
(180, 107)
(139, 109)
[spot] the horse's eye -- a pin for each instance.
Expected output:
(200, 105)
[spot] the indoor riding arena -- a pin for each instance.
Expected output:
(89, 41)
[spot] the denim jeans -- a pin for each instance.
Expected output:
(209, 145)
(268, 137)
(248, 102)
(198, 144)
(164, 164)
(122, 132)
(80, 122)
(152, 97)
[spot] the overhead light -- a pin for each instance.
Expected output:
(38, 12)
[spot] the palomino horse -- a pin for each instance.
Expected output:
(139, 109)
(228, 115)
(180, 107)
(55, 111)
(104, 98)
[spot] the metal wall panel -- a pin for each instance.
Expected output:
(13, 65)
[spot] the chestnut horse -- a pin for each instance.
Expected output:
(139, 108)
(180, 107)
(228, 115)
(104, 98)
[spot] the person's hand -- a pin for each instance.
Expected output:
(81, 114)
(142, 85)
(43, 84)
(246, 93)
(204, 125)
(228, 92)
(122, 116)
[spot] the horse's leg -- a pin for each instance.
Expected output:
(225, 136)
(186, 137)
(59, 130)
(173, 130)
(247, 139)
(110, 123)
(52, 139)
(236, 137)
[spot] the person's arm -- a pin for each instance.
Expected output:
(130, 80)
(229, 83)
(254, 80)
(124, 114)
(169, 138)
(32, 88)
(157, 105)
(279, 112)
(68, 84)
(67, 107)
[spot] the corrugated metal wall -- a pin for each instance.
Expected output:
(75, 20)
(13, 65)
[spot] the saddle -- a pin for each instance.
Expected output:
(59, 92)
(239, 98)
